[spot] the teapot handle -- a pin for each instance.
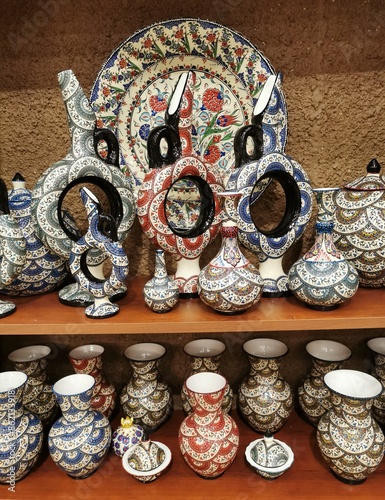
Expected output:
(167, 133)
(255, 133)
(106, 135)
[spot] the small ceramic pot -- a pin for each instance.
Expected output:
(377, 346)
(147, 476)
(126, 436)
(269, 457)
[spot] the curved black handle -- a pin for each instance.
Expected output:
(255, 133)
(174, 146)
(106, 135)
(4, 207)
(108, 227)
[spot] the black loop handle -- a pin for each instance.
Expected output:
(174, 146)
(255, 133)
(108, 227)
(4, 207)
(106, 135)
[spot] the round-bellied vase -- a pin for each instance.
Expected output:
(38, 396)
(349, 438)
(21, 432)
(377, 346)
(209, 437)
(265, 399)
(205, 355)
(313, 395)
(87, 359)
(79, 440)
(146, 397)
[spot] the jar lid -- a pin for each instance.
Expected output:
(372, 181)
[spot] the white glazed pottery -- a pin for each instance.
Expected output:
(148, 475)
(265, 465)
(377, 346)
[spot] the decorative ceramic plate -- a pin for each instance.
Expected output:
(130, 95)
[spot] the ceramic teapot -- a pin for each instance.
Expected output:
(359, 227)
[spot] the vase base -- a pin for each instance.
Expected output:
(82, 477)
(276, 295)
(192, 295)
(348, 481)
(322, 308)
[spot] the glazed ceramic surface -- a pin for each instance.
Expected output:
(126, 436)
(209, 437)
(146, 397)
(269, 457)
(79, 440)
(162, 458)
(377, 346)
(350, 440)
(87, 359)
(313, 395)
(21, 432)
(265, 399)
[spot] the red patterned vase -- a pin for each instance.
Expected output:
(208, 438)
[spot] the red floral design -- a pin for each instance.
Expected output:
(213, 99)
(211, 37)
(185, 137)
(106, 91)
(147, 43)
(225, 120)
(158, 103)
(122, 63)
(212, 154)
(179, 34)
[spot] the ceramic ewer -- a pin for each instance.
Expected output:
(146, 397)
(161, 292)
(377, 346)
(102, 236)
(38, 396)
(265, 399)
(269, 457)
(79, 440)
(21, 432)
(209, 437)
(359, 226)
(87, 359)
(230, 283)
(147, 460)
(178, 208)
(313, 395)
(322, 278)
(55, 222)
(349, 438)
(205, 356)
(127, 435)
(257, 175)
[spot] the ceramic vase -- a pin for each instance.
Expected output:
(161, 293)
(38, 396)
(205, 355)
(21, 432)
(313, 395)
(87, 359)
(146, 397)
(79, 440)
(349, 438)
(377, 346)
(323, 278)
(209, 437)
(265, 399)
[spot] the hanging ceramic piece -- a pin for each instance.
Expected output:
(323, 278)
(79, 440)
(126, 436)
(265, 399)
(21, 432)
(359, 229)
(38, 396)
(313, 395)
(209, 437)
(146, 397)
(350, 440)
(377, 346)
(87, 359)
(205, 356)
(161, 293)
(101, 235)
(147, 460)
(230, 283)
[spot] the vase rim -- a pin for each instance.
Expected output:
(324, 189)
(265, 348)
(204, 348)
(72, 385)
(147, 473)
(12, 380)
(144, 351)
(377, 345)
(353, 383)
(29, 353)
(328, 350)
(86, 351)
(206, 382)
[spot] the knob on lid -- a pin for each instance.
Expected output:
(372, 181)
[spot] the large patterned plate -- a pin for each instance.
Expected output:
(131, 92)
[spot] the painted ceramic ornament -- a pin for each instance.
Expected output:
(323, 278)
(21, 432)
(126, 436)
(79, 440)
(269, 457)
(359, 228)
(102, 236)
(350, 440)
(147, 460)
(377, 346)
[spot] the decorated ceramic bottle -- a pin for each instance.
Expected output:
(377, 346)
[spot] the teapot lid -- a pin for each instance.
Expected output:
(372, 181)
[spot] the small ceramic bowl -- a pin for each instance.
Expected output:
(264, 463)
(150, 475)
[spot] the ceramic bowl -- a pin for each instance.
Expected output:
(264, 465)
(150, 475)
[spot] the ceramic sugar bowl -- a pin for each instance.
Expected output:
(269, 457)
(127, 435)
(147, 460)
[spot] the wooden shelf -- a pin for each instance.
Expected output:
(308, 478)
(43, 314)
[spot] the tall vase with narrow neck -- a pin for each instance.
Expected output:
(79, 440)
(265, 399)
(377, 346)
(323, 278)
(87, 359)
(38, 396)
(146, 397)
(21, 432)
(209, 437)
(313, 395)
(205, 355)
(349, 438)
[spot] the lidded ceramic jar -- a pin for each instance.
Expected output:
(126, 436)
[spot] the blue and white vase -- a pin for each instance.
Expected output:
(21, 432)
(79, 440)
